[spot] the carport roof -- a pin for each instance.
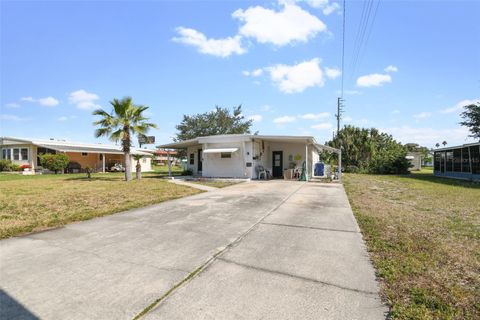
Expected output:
(247, 137)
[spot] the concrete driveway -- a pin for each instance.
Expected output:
(258, 250)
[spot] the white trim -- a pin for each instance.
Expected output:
(220, 150)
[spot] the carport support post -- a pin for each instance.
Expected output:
(306, 162)
(169, 164)
(103, 162)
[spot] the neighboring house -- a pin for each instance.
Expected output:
(415, 159)
(241, 156)
(100, 157)
(460, 162)
(162, 157)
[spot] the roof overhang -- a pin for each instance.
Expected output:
(220, 150)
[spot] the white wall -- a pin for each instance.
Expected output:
(216, 166)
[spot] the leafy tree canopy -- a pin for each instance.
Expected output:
(215, 122)
(471, 116)
(369, 151)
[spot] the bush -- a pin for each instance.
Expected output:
(54, 162)
(5, 165)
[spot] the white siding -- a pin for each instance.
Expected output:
(216, 166)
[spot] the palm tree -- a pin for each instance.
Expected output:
(125, 120)
(437, 145)
(444, 143)
(138, 166)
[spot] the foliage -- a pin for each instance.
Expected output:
(471, 117)
(138, 167)
(415, 147)
(5, 165)
(54, 162)
(215, 122)
(369, 151)
(121, 124)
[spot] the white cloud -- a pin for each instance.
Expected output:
(288, 25)
(332, 73)
(322, 126)
(314, 116)
(255, 117)
(373, 80)
(428, 136)
(284, 119)
(266, 108)
(62, 118)
(83, 99)
(11, 117)
(422, 115)
(254, 73)
(216, 47)
(297, 78)
(325, 5)
(459, 105)
(48, 101)
(391, 68)
(396, 111)
(12, 105)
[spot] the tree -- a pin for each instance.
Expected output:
(437, 145)
(121, 124)
(444, 143)
(215, 122)
(369, 151)
(471, 117)
(138, 167)
(54, 162)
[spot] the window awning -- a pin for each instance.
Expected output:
(220, 150)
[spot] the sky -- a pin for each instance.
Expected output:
(409, 66)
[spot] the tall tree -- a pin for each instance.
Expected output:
(471, 116)
(121, 124)
(215, 122)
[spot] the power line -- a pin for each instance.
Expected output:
(362, 53)
(363, 29)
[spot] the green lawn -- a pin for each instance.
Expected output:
(423, 234)
(31, 203)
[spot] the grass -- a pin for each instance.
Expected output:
(423, 234)
(33, 203)
(215, 183)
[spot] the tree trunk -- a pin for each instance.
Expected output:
(138, 170)
(128, 167)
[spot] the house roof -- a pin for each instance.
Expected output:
(458, 147)
(247, 137)
(70, 146)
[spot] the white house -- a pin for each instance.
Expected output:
(100, 157)
(241, 155)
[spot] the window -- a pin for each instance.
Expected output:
(449, 165)
(16, 154)
(24, 154)
(457, 160)
(437, 161)
(192, 158)
(100, 156)
(6, 154)
(475, 155)
(84, 154)
(465, 160)
(225, 155)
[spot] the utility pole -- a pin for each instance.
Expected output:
(339, 112)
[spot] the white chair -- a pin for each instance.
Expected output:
(261, 171)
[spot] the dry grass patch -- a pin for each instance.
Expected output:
(423, 234)
(31, 203)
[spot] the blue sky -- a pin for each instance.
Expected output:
(280, 59)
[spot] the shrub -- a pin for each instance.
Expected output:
(5, 165)
(54, 162)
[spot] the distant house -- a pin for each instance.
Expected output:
(245, 155)
(460, 162)
(100, 157)
(415, 159)
(161, 157)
